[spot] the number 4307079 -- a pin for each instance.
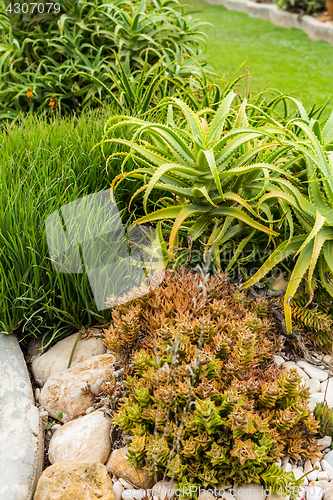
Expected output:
(40, 8)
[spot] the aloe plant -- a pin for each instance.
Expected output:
(235, 178)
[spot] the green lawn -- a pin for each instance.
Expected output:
(285, 57)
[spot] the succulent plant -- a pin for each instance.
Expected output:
(206, 404)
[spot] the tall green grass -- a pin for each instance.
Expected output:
(44, 165)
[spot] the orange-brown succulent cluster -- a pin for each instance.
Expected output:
(206, 404)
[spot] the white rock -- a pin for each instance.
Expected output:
(288, 365)
(37, 394)
(278, 463)
(167, 489)
(127, 485)
(56, 359)
(327, 358)
(324, 442)
(305, 481)
(226, 495)
(322, 475)
(317, 397)
(329, 458)
(312, 371)
(314, 493)
(133, 494)
(327, 468)
(278, 283)
(316, 465)
(285, 459)
(55, 427)
(298, 472)
(313, 384)
(307, 466)
(312, 476)
(117, 490)
(287, 467)
(204, 495)
(65, 392)
(84, 439)
(251, 491)
(278, 360)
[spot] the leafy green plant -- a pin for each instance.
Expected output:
(51, 424)
(206, 405)
(324, 414)
(235, 179)
(47, 61)
(302, 6)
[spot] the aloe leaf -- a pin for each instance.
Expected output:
(191, 118)
(280, 253)
(199, 228)
(187, 211)
(327, 132)
(325, 272)
(239, 250)
(301, 266)
(241, 120)
(320, 220)
(317, 246)
(161, 214)
(238, 214)
(217, 123)
(212, 165)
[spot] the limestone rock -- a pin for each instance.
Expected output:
(278, 360)
(289, 365)
(55, 360)
(313, 384)
(21, 425)
(326, 489)
(314, 492)
(324, 442)
(84, 439)
(205, 495)
(117, 490)
(68, 392)
(251, 491)
(278, 283)
(133, 494)
(68, 480)
(316, 397)
(313, 371)
(121, 468)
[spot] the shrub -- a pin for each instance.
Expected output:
(206, 405)
(302, 6)
(239, 180)
(46, 60)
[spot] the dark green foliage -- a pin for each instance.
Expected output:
(302, 6)
(206, 405)
(324, 414)
(46, 60)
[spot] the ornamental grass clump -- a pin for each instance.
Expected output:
(206, 405)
